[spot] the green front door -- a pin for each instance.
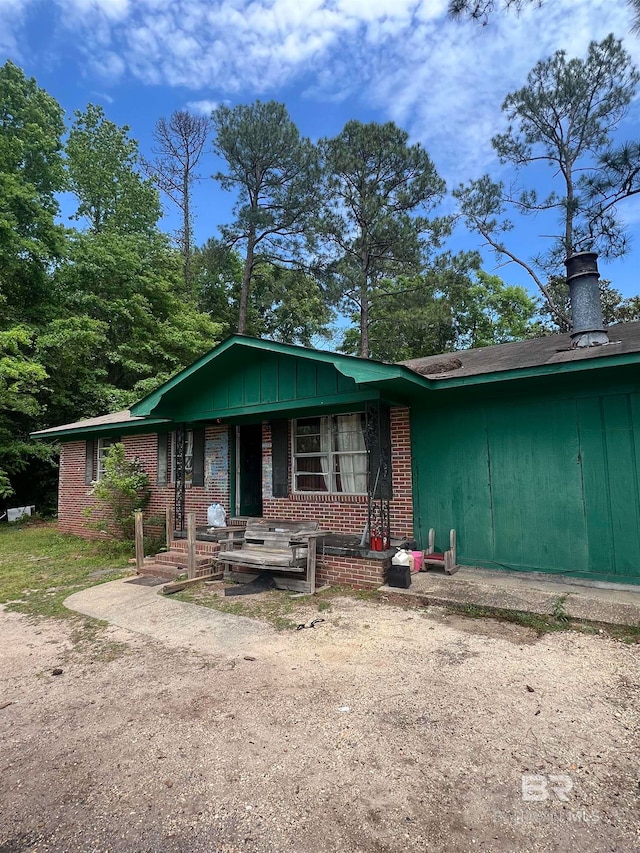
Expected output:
(250, 470)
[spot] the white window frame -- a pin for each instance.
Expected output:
(103, 446)
(327, 422)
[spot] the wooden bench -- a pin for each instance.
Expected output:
(287, 548)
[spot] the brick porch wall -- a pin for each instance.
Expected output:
(347, 513)
(357, 572)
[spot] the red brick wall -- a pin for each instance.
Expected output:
(74, 496)
(348, 513)
(357, 572)
(338, 513)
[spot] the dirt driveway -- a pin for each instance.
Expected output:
(379, 730)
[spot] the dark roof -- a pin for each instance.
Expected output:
(554, 349)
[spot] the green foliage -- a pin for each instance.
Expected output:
(132, 328)
(20, 378)
(31, 173)
(376, 185)
(123, 488)
(453, 305)
(559, 610)
(483, 10)
(285, 304)
(276, 175)
(563, 116)
(102, 163)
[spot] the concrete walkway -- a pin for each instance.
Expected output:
(531, 593)
(145, 610)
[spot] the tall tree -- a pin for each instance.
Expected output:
(377, 185)
(31, 173)
(452, 305)
(124, 328)
(179, 144)
(482, 10)
(103, 166)
(564, 116)
(285, 304)
(275, 173)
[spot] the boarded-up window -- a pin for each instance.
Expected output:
(163, 458)
(88, 464)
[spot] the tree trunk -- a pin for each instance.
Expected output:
(186, 237)
(246, 284)
(364, 300)
(364, 318)
(568, 228)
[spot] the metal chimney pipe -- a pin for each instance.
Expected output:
(586, 308)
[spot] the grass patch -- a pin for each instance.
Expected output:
(89, 639)
(558, 620)
(40, 567)
(275, 606)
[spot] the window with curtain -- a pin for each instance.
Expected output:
(329, 455)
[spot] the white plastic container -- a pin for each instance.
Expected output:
(216, 516)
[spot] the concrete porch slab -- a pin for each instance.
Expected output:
(529, 593)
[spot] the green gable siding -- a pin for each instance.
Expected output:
(546, 482)
(240, 385)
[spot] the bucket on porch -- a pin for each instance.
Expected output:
(417, 561)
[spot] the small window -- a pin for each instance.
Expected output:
(330, 455)
(103, 447)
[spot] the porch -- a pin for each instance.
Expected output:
(342, 559)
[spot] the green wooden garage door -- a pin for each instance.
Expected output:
(544, 483)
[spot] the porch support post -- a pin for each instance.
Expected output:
(191, 545)
(139, 534)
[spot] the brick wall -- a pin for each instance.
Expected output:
(358, 572)
(338, 513)
(74, 496)
(348, 513)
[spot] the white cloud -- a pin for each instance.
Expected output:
(205, 107)
(442, 80)
(12, 16)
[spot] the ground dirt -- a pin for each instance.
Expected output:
(381, 729)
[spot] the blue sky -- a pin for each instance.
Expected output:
(329, 61)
